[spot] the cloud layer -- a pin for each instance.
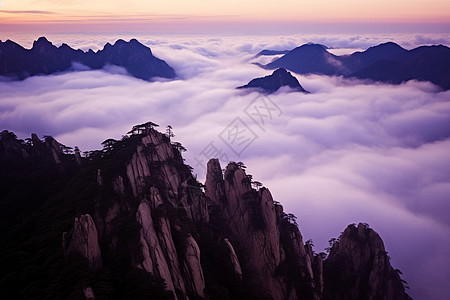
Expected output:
(350, 151)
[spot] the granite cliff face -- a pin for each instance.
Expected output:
(84, 240)
(261, 228)
(135, 223)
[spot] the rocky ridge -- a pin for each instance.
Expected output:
(136, 220)
(44, 58)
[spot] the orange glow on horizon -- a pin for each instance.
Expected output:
(207, 13)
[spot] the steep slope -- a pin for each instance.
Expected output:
(132, 222)
(275, 81)
(45, 58)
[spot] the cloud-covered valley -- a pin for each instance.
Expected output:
(349, 151)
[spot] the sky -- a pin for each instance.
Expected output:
(200, 16)
(348, 152)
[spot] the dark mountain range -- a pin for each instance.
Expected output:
(387, 63)
(130, 221)
(426, 63)
(272, 83)
(307, 59)
(45, 58)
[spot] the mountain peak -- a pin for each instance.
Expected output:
(311, 46)
(120, 42)
(42, 42)
(132, 45)
(370, 263)
(387, 45)
(307, 59)
(384, 51)
(10, 44)
(135, 41)
(314, 44)
(280, 72)
(107, 45)
(43, 46)
(275, 81)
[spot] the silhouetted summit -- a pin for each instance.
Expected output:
(359, 60)
(388, 62)
(272, 83)
(368, 276)
(42, 44)
(309, 58)
(46, 58)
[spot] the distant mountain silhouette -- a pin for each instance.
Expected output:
(359, 60)
(309, 58)
(272, 83)
(267, 52)
(426, 63)
(45, 58)
(386, 62)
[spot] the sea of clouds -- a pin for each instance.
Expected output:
(348, 152)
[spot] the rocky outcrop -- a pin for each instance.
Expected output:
(55, 149)
(89, 293)
(156, 175)
(11, 148)
(272, 83)
(193, 268)
(358, 267)
(234, 259)
(32, 151)
(45, 58)
(84, 240)
(149, 228)
(154, 260)
(160, 255)
(318, 273)
(267, 238)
